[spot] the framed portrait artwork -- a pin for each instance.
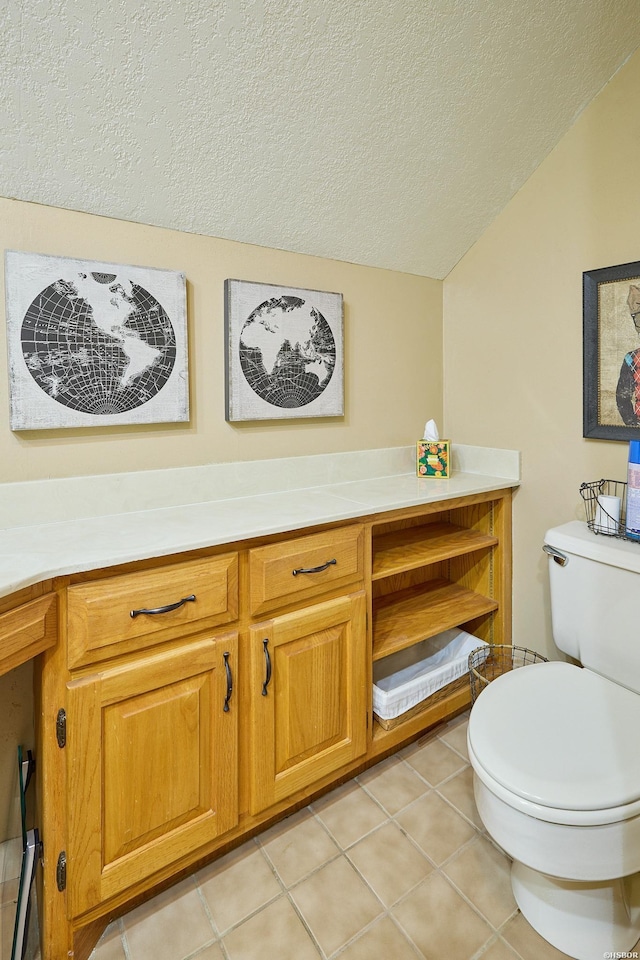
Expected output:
(611, 352)
(284, 354)
(93, 344)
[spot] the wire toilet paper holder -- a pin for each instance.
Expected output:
(601, 518)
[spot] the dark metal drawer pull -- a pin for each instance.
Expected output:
(229, 683)
(323, 566)
(167, 609)
(267, 658)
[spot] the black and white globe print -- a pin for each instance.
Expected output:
(287, 352)
(98, 343)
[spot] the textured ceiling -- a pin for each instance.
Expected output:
(383, 133)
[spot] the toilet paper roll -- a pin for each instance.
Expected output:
(608, 515)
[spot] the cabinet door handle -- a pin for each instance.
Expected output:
(323, 566)
(169, 607)
(227, 669)
(267, 659)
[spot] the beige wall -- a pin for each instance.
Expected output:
(513, 328)
(393, 352)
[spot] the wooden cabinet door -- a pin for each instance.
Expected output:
(152, 766)
(308, 697)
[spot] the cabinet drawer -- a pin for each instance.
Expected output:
(128, 612)
(307, 567)
(27, 631)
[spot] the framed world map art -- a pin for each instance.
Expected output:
(284, 352)
(94, 344)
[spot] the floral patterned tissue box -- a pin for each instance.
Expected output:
(433, 459)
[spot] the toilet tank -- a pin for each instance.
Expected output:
(595, 601)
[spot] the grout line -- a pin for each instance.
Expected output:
(339, 852)
(354, 939)
(386, 812)
(327, 828)
(207, 909)
(306, 926)
(482, 951)
(251, 915)
(217, 932)
(124, 940)
(504, 939)
(287, 890)
(204, 946)
(479, 830)
(474, 906)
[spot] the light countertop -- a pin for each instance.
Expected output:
(178, 519)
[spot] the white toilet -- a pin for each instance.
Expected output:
(555, 750)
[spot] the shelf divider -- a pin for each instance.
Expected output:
(403, 550)
(404, 618)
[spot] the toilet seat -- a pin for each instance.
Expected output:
(559, 743)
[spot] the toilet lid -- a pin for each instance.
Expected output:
(559, 736)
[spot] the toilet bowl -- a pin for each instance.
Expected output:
(555, 753)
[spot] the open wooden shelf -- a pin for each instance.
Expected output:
(403, 550)
(462, 551)
(404, 618)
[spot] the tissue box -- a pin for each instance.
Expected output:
(433, 459)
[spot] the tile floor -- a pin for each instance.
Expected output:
(393, 865)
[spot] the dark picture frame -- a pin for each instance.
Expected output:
(611, 352)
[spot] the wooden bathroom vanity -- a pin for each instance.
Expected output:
(184, 702)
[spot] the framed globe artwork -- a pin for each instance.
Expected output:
(94, 344)
(284, 352)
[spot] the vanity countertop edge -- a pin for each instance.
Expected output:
(31, 554)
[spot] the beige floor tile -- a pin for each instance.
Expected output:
(9, 890)
(10, 859)
(426, 738)
(435, 761)
(454, 721)
(109, 946)
(237, 885)
(499, 950)
(382, 941)
(7, 920)
(297, 846)
(483, 875)
(276, 931)
(393, 784)
(440, 923)
(214, 952)
(457, 738)
(336, 904)
(170, 927)
(389, 862)
(435, 827)
(525, 941)
(7, 923)
(349, 813)
(459, 792)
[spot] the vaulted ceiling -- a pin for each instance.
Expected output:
(382, 133)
